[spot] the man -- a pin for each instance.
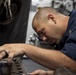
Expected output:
(54, 28)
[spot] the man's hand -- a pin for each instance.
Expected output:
(12, 50)
(42, 72)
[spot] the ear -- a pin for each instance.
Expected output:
(50, 16)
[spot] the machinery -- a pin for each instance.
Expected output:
(64, 6)
(14, 68)
(13, 26)
(13, 20)
(8, 10)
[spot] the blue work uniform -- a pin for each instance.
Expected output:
(68, 42)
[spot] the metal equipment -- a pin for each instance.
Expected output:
(8, 10)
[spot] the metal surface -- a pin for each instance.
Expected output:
(25, 66)
(14, 68)
(17, 69)
(30, 66)
(64, 71)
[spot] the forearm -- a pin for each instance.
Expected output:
(48, 58)
(51, 58)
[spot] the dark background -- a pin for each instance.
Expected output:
(15, 32)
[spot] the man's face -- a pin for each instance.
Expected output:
(48, 31)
